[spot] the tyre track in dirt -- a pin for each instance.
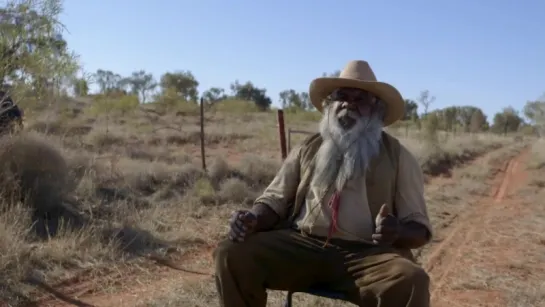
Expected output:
(444, 257)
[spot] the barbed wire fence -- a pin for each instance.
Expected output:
(284, 136)
(296, 131)
(285, 143)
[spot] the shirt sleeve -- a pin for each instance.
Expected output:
(280, 193)
(409, 200)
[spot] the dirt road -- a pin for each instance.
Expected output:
(480, 247)
(481, 241)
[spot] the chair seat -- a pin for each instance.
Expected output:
(317, 291)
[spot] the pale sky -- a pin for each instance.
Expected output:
(486, 53)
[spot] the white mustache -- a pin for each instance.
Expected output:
(348, 112)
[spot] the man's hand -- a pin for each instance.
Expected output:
(387, 227)
(241, 224)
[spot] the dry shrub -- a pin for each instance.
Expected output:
(235, 106)
(57, 127)
(257, 171)
(439, 159)
(31, 167)
(35, 173)
(236, 191)
(538, 155)
(218, 170)
(103, 139)
(47, 126)
(204, 192)
(211, 137)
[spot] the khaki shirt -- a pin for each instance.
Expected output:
(354, 220)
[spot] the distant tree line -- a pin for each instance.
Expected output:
(34, 53)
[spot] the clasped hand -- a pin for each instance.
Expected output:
(241, 224)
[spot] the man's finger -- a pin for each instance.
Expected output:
(249, 222)
(238, 228)
(382, 214)
(377, 238)
(241, 225)
(232, 236)
(382, 239)
(234, 216)
(237, 237)
(384, 211)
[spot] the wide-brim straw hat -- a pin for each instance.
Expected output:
(358, 74)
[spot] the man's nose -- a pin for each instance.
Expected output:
(349, 105)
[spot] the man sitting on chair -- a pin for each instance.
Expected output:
(343, 212)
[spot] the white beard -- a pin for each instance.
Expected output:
(345, 154)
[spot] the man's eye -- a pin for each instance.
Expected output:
(341, 96)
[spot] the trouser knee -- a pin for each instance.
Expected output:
(419, 278)
(411, 284)
(411, 273)
(416, 282)
(231, 257)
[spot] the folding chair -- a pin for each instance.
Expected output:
(317, 291)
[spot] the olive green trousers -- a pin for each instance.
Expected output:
(288, 260)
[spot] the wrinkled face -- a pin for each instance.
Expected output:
(351, 130)
(350, 105)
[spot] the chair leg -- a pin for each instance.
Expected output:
(287, 303)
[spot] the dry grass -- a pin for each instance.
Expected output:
(135, 184)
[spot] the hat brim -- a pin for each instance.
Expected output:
(320, 88)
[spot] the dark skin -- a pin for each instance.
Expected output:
(413, 235)
(389, 230)
(243, 222)
(356, 103)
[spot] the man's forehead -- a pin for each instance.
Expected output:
(350, 90)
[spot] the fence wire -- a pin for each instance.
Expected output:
(290, 131)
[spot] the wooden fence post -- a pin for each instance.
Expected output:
(282, 133)
(203, 157)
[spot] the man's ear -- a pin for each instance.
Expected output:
(382, 108)
(326, 102)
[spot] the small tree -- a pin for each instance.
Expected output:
(81, 87)
(249, 92)
(426, 100)
(141, 84)
(477, 122)
(535, 112)
(431, 129)
(181, 84)
(506, 121)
